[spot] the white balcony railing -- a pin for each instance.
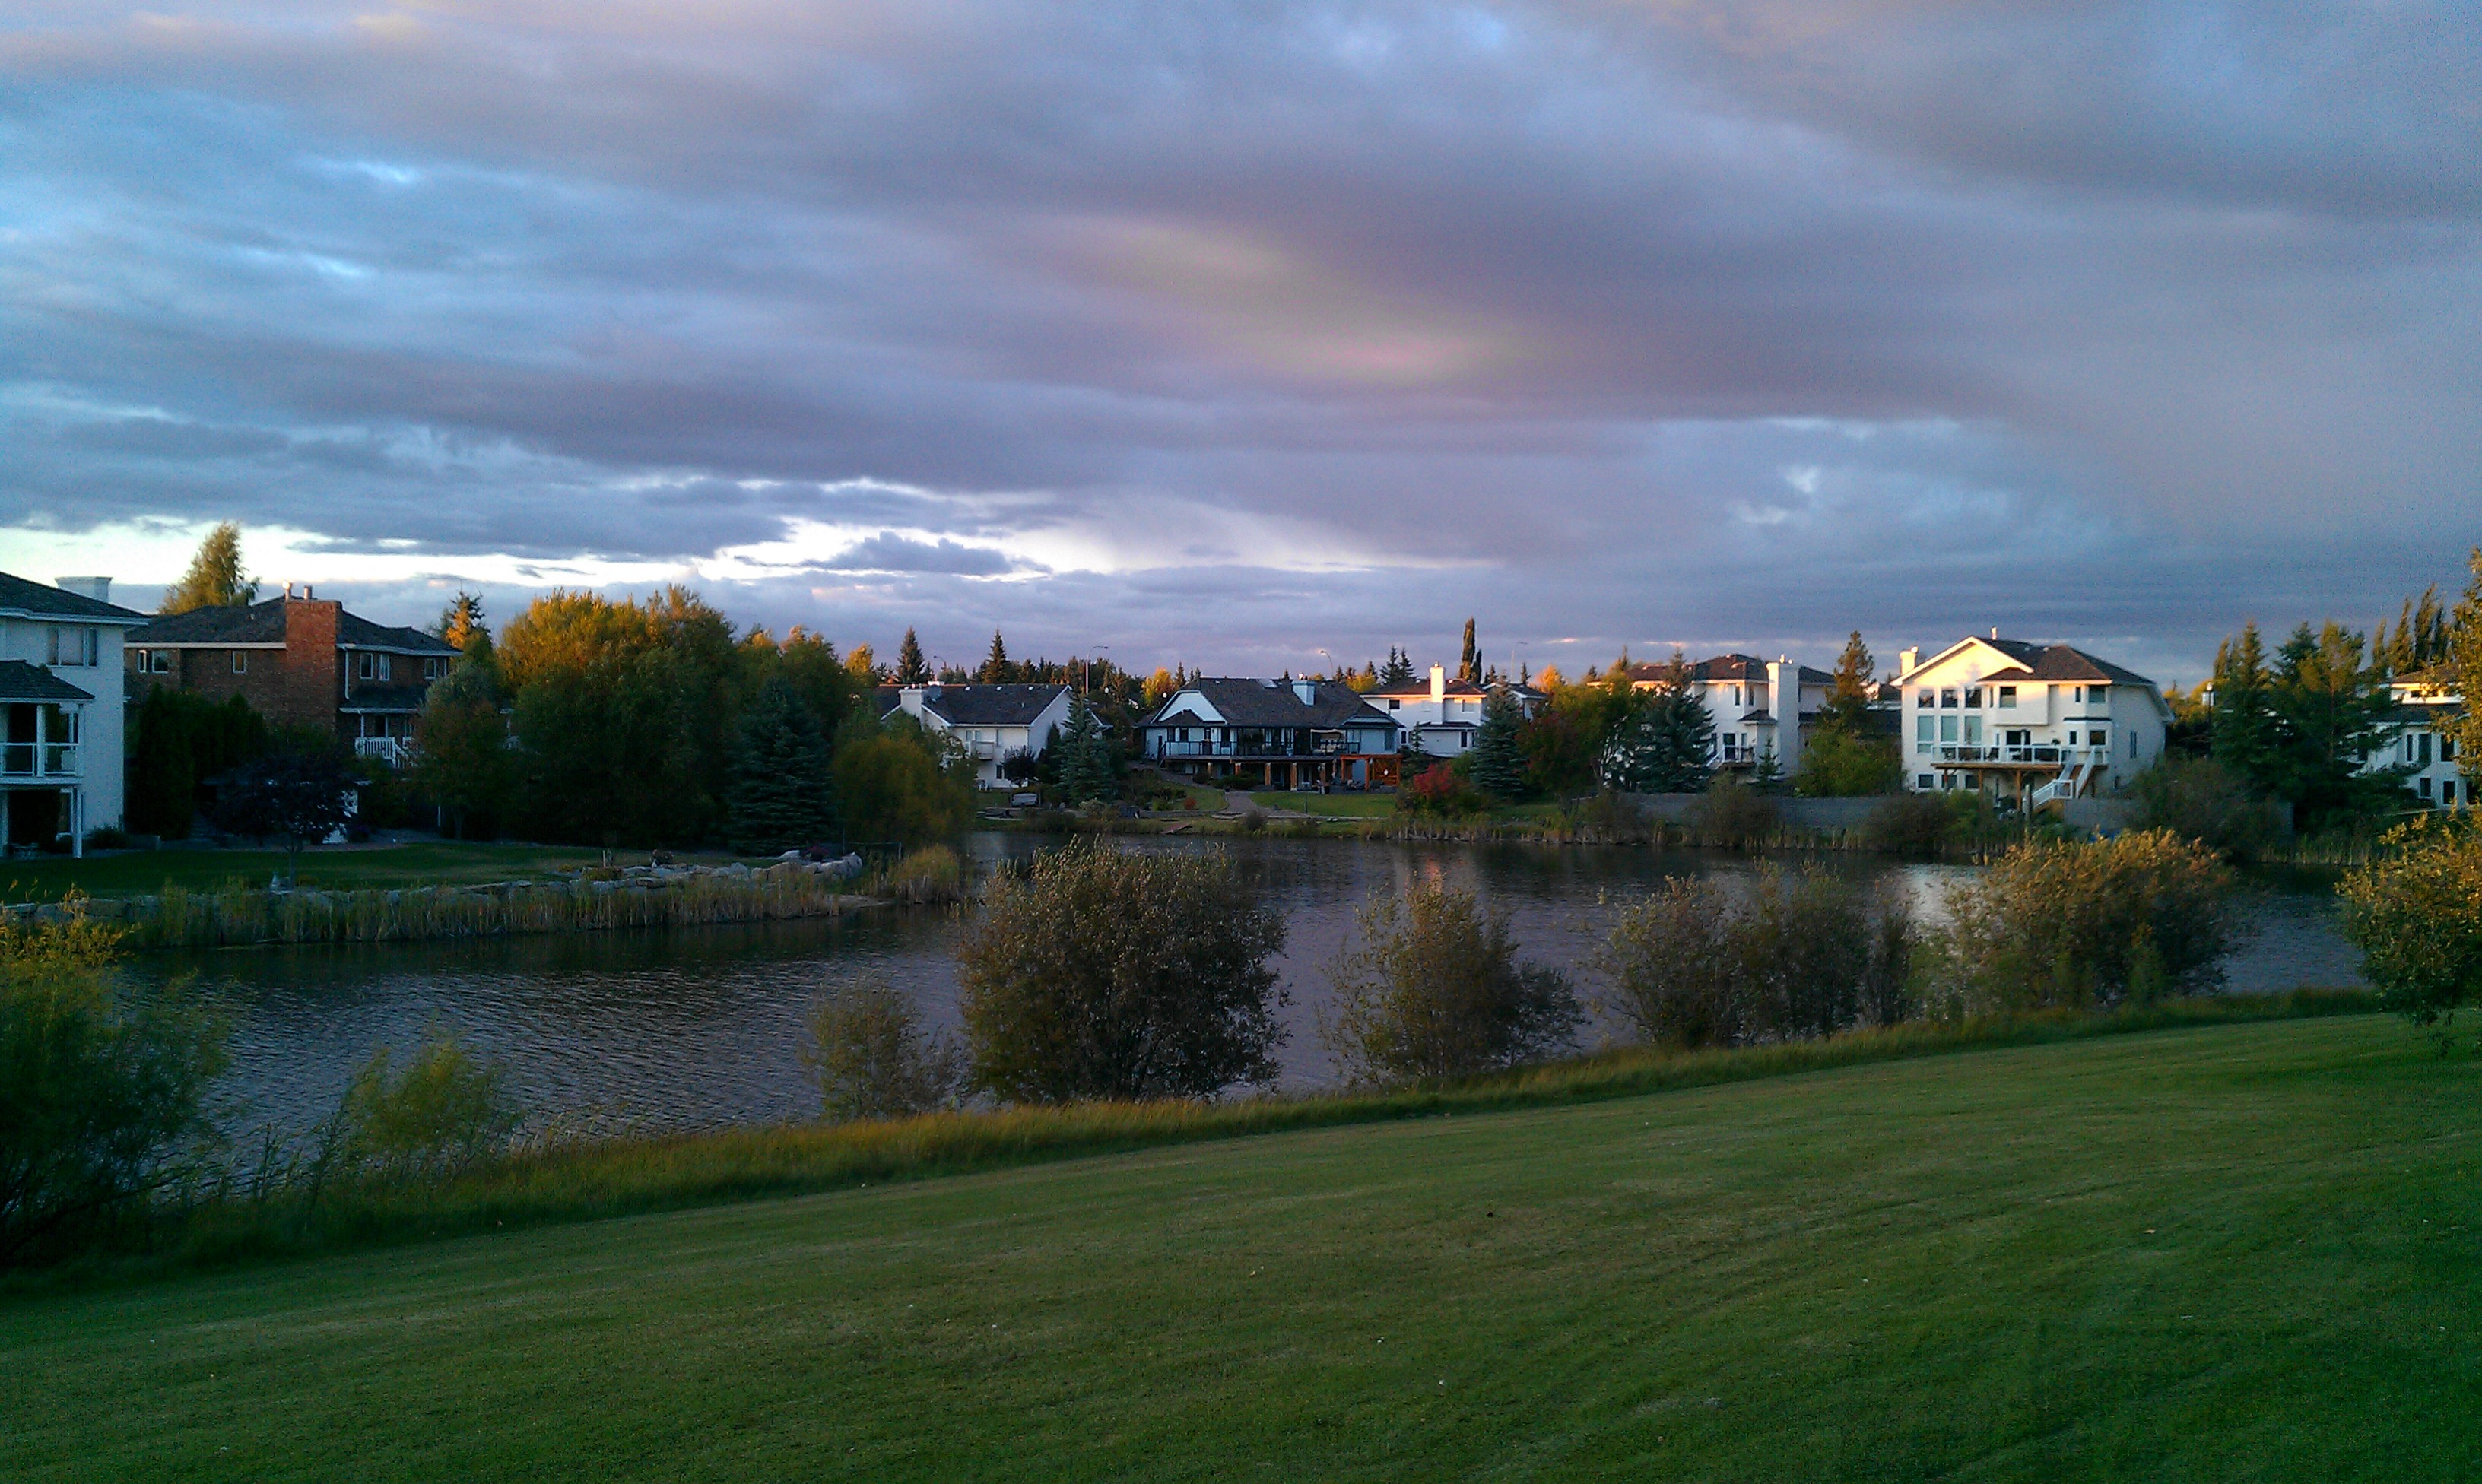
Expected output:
(39, 760)
(387, 749)
(2039, 754)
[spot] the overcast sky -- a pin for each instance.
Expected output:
(1227, 334)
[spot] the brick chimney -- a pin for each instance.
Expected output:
(314, 669)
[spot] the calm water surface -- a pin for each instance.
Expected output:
(700, 1027)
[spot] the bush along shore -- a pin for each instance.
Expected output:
(592, 900)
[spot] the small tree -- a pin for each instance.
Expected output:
(2415, 914)
(1842, 763)
(1086, 769)
(298, 796)
(780, 783)
(98, 1087)
(874, 1060)
(1106, 974)
(1786, 957)
(215, 578)
(1497, 762)
(2200, 799)
(894, 781)
(1399, 669)
(447, 1109)
(911, 670)
(1436, 990)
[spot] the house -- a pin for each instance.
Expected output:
(1440, 718)
(1742, 692)
(299, 661)
(990, 722)
(2425, 707)
(60, 690)
(1291, 733)
(2026, 724)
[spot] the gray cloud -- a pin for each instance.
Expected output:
(1313, 325)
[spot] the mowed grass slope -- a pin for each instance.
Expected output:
(2247, 1252)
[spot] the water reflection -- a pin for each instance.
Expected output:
(703, 1026)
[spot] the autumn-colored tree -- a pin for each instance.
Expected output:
(215, 577)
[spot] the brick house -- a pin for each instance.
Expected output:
(298, 660)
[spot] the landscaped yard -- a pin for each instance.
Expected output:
(1343, 806)
(2247, 1252)
(341, 868)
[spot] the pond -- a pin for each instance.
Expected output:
(702, 1028)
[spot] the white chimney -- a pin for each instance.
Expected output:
(909, 699)
(98, 588)
(1438, 684)
(1307, 690)
(1907, 659)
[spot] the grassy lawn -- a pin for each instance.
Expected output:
(1343, 806)
(341, 869)
(2232, 1252)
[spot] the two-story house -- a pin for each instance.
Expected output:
(302, 660)
(990, 722)
(1290, 733)
(2026, 724)
(60, 693)
(2426, 707)
(1441, 716)
(1750, 699)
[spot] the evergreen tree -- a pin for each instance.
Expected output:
(996, 669)
(1086, 769)
(1399, 671)
(2244, 735)
(910, 667)
(1469, 662)
(460, 624)
(780, 780)
(1685, 731)
(2462, 648)
(1848, 704)
(214, 579)
(1497, 764)
(2335, 711)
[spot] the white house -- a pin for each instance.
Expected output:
(61, 689)
(990, 722)
(1441, 716)
(1291, 733)
(2026, 724)
(2426, 708)
(1751, 700)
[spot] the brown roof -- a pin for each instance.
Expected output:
(1245, 701)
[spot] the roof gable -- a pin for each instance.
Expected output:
(42, 600)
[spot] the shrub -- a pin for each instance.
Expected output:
(1841, 763)
(1106, 974)
(875, 1061)
(1787, 958)
(2199, 799)
(98, 1092)
(2415, 914)
(895, 782)
(1607, 816)
(1441, 790)
(1909, 825)
(931, 875)
(1436, 990)
(2080, 924)
(109, 838)
(1253, 819)
(447, 1110)
(1733, 816)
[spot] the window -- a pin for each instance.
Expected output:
(2447, 749)
(2017, 738)
(433, 669)
(2425, 787)
(1925, 732)
(2421, 750)
(1922, 780)
(1974, 731)
(2097, 739)
(2007, 697)
(1973, 697)
(1947, 729)
(1928, 698)
(368, 668)
(240, 661)
(163, 662)
(2072, 739)
(383, 666)
(72, 646)
(1948, 699)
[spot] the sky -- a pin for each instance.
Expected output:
(1261, 336)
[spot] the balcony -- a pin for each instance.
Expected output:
(2019, 755)
(1735, 755)
(39, 760)
(387, 749)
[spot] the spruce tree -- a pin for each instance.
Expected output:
(996, 669)
(214, 579)
(1848, 704)
(1469, 663)
(1399, 671)
(1497, 762)
(780, 781)
(1085, 756)
(2244, 735)
(911, 669)
(1685, 731)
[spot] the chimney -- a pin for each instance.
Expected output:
(98, 588)
(315, 681)
(1905, 662)
(909, 699)
(1306, 690)
(1438, 684)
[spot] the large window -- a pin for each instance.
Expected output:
(1947, 729)
(73, 646)
(1974, 731)
(2007, 697)
(1925, 732)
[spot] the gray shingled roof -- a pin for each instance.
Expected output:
(1249, 702)
(23, 682)
(977, 705)
(263, 623)
(22, 595)
(1734, 667)
(2060, 661)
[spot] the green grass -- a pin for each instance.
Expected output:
(2229, 1251)
(1338, 806)
(144, 873)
